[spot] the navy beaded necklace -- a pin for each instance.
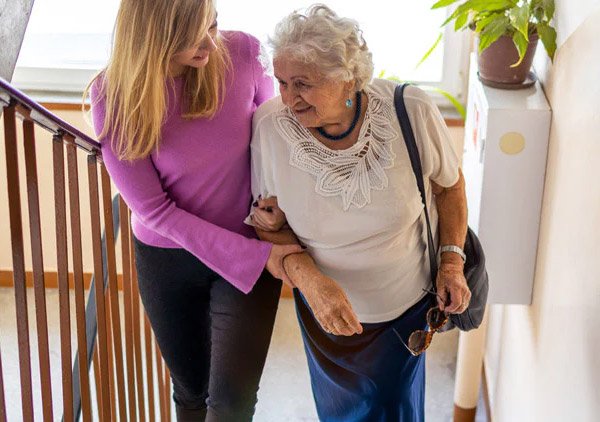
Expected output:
(352, 125)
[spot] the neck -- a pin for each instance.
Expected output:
(343, 129)
(176, 69)
(343, 122)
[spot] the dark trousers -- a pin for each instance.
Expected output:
(213, 338)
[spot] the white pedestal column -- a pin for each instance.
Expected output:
(469, 364)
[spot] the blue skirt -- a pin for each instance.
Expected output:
(367, 377)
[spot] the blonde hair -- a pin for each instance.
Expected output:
(333, 45)
(134, 84)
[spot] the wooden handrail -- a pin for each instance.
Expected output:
(122, 391)
(45, 118)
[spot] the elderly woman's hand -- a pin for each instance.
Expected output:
(275, 261)
(267, 214)
(453, 293)
(330, 306)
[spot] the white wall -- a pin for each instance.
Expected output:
(543, 361)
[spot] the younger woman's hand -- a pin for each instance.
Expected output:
(267, 215)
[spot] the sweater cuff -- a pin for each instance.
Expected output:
(264, 250)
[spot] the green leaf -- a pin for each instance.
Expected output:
(455, 103)
(443, 3)
(454, 15)
(461, 21)
(494, 30)
(433, 47)
(519, 19)
(533, 4)
(484, 22)
(521, 43)
(478, 7)
(549, 7)
(381, 74)
(537, 13)
(548, 37)
(488, 5)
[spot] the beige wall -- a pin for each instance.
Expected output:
(543, 361)
(46, 189)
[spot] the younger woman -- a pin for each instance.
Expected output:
(173, 112)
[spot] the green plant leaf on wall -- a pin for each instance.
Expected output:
(521, 43)
(519, 19)
(433, 47)
(494, 30)
(548, 37)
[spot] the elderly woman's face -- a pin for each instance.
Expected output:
(315, 100)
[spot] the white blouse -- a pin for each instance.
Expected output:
(358, 210)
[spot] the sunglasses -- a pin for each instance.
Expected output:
(419, 340)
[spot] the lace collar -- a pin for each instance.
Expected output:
(353, 172)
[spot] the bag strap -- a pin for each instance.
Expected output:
(415, 161)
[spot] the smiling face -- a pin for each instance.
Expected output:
(315, 100)
(196, 55)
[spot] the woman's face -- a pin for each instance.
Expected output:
(197, 55)
(316, 101)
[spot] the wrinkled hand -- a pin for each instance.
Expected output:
(453, 293)
(267, 214)
(275, 261)
(331, 306)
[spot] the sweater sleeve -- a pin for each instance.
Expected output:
(262, 71)
(236, 258)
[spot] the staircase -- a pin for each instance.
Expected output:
(112, 346)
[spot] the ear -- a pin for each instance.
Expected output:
(350, 87)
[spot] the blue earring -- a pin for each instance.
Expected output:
(348, 103)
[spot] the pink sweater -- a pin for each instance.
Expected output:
(194, 193)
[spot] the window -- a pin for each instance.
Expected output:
(67, 41)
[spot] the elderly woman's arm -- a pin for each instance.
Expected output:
(452, 210)
(327, 300)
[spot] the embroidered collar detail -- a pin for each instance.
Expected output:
(350, 173)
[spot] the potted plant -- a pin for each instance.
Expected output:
(507, 35)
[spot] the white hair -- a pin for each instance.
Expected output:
(334, 45)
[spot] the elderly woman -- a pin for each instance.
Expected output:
(329, 158)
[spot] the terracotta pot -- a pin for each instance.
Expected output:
(494, 62)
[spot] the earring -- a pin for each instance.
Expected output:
(348, 103)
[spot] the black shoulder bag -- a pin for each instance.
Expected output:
(474, 270)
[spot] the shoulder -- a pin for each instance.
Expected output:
(98, 102)
(263, 116)
(241, 45)
(416, 100)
